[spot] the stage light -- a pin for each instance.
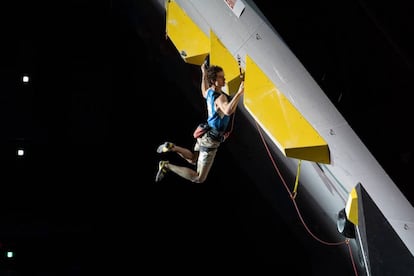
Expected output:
(25, 78)
(20, 152)
(9, 254)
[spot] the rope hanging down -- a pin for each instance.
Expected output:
(297, 180)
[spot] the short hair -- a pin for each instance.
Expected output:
(212, 74)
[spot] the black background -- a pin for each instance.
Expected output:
(105, 93)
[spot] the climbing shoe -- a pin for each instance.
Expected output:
(166, 147)
(162, 170)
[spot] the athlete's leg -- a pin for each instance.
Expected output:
(204, 163)
(185, 153)
(181, 151)
(184, 172)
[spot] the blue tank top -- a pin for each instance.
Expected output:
(216, 119)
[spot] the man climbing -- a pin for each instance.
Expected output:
(220, 107)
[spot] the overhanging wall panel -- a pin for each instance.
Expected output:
(190, 41)
(294, 136)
